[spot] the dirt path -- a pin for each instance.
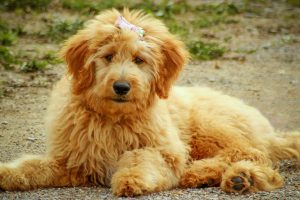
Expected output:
(275, 92)
(262, 68)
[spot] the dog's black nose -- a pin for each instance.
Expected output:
(121, 88)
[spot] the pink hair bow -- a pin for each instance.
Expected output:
(122, 23)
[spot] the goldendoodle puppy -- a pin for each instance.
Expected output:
(115, 120)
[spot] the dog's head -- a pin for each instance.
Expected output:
(118, 70)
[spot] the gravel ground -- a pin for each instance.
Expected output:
(290, 191)
(268, 78)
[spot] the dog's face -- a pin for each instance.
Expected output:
(115, 71)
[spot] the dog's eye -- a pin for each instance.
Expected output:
(137, 60)
(109, 57)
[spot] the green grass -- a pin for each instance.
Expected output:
(166, 9)
(245, 51)
(76, 5)
(205, 50)
(51, 57)
(1, 92)
(163, 8)
(255, 7)
(288, 39)
(87, 6)
(9, 35)
(24, 4)
(33, 65)
(208, 21)
(6, 58)
(293, 2)
(177, 27)
(213, 14)
(7, 38)
(59, 30)
(182, 18)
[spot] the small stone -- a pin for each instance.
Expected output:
(31, 139)
(293, 82)
(217, 66)
(266, 46)
(211, 79)
(4, 123)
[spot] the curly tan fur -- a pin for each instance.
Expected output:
(158, 137)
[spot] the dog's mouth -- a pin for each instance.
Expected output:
(120, 100)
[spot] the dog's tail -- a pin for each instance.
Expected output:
(285, 146)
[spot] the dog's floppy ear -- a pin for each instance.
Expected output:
(175, 56)
(76, 53)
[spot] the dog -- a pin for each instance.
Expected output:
(115, 120)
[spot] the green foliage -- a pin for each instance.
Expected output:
(205, 51)
(182, 18)
(76, 5)
(59, 30)
(25, 4)
(7, 38)
(51, 57)
(293, 2)
(245, 51)
(221, 8)
(1, 92)
(208, 21)
(6, 58)
(164, 8)
(288, 39)
(214, 14)
(34, 65)
(93, 6)
(177, 27)
(252, 6)
(8, 35)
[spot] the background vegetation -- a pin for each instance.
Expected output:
(52, 21)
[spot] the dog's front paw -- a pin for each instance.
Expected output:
(3, 178)
(129, 184)
(11, 180)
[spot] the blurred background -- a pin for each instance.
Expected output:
(38, 23)
(246, 48)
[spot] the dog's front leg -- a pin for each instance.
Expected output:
(32, 172)
(147, 170)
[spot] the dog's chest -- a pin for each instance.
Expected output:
(97, 148)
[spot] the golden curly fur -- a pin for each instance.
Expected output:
(157, 136)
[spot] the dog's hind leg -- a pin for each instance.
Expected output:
(284, 146)
(147, 170)
(254, 175)
(204, 173)
(32, 172)
(247, 176)
(236, 170)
